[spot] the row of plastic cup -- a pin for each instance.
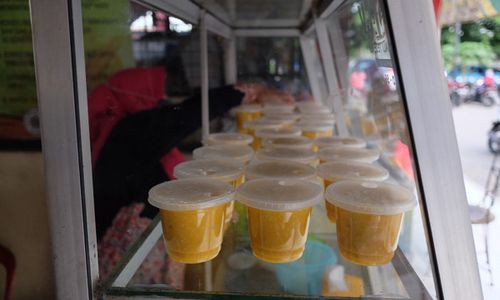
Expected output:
(282, 187)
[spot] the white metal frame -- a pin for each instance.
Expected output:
(61, 91)
(435, 146)
(307, 45)
(334, 97)
(61, 88)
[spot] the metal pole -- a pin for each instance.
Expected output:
(205, 121)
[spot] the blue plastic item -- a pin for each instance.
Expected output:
(305, 276)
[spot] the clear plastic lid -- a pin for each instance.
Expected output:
(250, 108)
(284, 118)
(278, 108)
(280, 169)
(351, 170)
(370, 197)
(240, 153)
(316, 126)
(315, 109)
(231, 138)
(278, 132)
(317, 117)
(345, 153)
(279, 194)
(350, 142)
(222, 169)
(291, 142)
(260, 124)
(284, 153)
(190, 194)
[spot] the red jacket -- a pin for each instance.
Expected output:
(127, 92)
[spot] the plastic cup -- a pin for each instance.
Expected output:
(369, 217)
(280, 170)
(192, 215)
(317, 118)
(230, 171)
(335, 141)
(304, 156)
(332, 172)
(240, 153)
(296, 142)
(316, 130)
(286, 120)
(345, 153)
(305, 276)
(228, 138)
(279, 211)
(265, 133)
(253, 126)
(312, 107)
(246, 113)
(278, 108)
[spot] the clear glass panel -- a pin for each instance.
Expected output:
(374, 109)
(274, 60)
(143, 75)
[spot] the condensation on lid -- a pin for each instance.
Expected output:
(370, 197)
(293, 141)
(238, 152)
(280, 169)
(278, 132)
(351, 170)
(279, 194)
(350, 142)
(249, 108)
(228, 138)
(284, 153)
(222, 169)
(345, 153)
(190, 194)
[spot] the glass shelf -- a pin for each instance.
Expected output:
(236, 274)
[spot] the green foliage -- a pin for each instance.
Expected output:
(480, 43)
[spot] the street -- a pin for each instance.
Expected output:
(472, 123)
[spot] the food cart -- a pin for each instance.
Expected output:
(375, 64)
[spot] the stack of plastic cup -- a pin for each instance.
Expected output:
(228, 138)
(267, 133)
(334, 141)
(230, 171)
(346, 153)
(253, 126)
(304, 156)
(369, 217)
(240, 153)
(246, 113)
(332, 172)
(298, 142)
(279, 211)
(192, 213)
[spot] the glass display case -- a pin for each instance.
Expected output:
(128, 89)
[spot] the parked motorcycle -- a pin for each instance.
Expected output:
(494, 138)
(486, 95)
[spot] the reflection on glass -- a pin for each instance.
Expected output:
(143, 76)
(374, 109)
